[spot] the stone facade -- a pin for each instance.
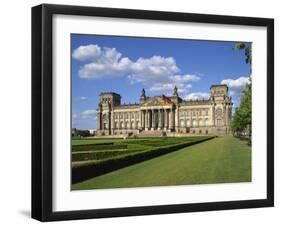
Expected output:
(161, 115)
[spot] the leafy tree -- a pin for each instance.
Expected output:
(248, 51)
(242, 119)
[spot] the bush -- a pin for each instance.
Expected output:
(87, 170)
(97, 147)
(98, 155)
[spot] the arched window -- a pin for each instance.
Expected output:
(121, 125)
(133, 125)
(200, 122)
(187, 122)
(116, 125)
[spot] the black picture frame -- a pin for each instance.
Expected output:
(42, 111)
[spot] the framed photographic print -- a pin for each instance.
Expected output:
(145, 112)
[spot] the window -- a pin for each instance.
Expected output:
(188, 122)
(121, 125)
(194, 122)
(201, 122)
(182, 123)
(206, 122)
(116, 125)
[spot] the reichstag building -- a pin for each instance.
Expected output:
(165, 115)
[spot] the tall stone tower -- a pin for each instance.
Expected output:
(221, 108)
(108, 100)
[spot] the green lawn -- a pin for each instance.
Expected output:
(220, 160)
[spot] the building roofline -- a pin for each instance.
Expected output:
(219, 85)
(104, 93)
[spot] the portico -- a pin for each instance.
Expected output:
(158, 119)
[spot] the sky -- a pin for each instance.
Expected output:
(125, 65)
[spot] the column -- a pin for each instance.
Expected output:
(166, 118)
(141, 119)
(149, 119)
(152, 119)
(163, 119)
(146, 120)
(177, 119)
(159, 119)
(171, 119)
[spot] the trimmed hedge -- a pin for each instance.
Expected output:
(98, 155)
(99, 147)
(93, 169)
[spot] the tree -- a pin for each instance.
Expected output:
(242, 119)
(248, 51)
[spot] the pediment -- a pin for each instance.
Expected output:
(158, 101)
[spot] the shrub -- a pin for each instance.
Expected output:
(90, 169)
(98, 155)
(99, 147)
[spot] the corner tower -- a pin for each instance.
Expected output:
(221, 108)
(108, 100)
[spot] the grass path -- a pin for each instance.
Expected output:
(220, 160)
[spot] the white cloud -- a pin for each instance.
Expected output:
(159, 73)
(86, 114)
(88, 52)
(92, 113)
(197, 96)
(80, 98)
(153, 70)
(236, 86)
(167, 88)
(185, 78)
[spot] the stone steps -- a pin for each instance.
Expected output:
(151, 133)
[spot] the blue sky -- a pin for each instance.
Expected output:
(127, 64)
